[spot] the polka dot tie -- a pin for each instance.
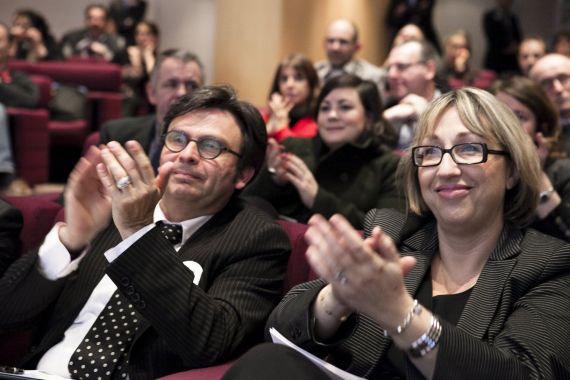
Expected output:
(172, 232)
(103, 352)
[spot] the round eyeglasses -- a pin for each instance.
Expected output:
(462, 154)
(208, 147)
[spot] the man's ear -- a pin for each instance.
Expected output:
(244, 177)
(150, 93)
(432, 69)
(513, 177)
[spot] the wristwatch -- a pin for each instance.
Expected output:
(545, 195)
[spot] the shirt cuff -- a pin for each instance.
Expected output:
(54, 258)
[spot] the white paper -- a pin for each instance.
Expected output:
(42, 375)
(333, 372)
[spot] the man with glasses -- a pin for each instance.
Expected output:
(412, 68)
(175, 73)
(185, 274)
(552, 73)
(341, 44)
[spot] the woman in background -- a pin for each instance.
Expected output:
(292, 98)
(136, 73)
(31, 37)
(348, 168)
(539, 118)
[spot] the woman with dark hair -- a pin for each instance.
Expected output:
(136, 74)
(539, 118)
(292, 98)
(347, 168)
(31, 37)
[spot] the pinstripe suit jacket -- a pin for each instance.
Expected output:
(515, 325)
(243, 254)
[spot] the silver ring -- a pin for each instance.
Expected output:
(340, 277)
(123, 182)
(271, 170)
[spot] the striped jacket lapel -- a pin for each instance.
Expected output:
(475, 320)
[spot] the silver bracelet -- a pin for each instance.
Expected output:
(428, 341)
(415, 310)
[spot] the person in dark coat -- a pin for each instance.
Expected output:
(347, 168)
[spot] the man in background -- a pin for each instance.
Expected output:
(93, 41)
(552, 73)
(412, 68)
(341, 44)
(176, 73)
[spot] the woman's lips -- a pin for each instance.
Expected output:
(452, 191)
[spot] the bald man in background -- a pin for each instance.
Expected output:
(552, 73)
(341, 44)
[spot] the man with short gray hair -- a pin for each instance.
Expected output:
(174, 74)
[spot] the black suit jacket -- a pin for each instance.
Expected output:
(10, 226)
(141, 129)
(243, 255)
(515, 324)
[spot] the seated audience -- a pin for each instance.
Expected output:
(531, 49)
(408, 32)
(190, 269)
(341, 44)
(136, 72)
(16, 90)
(10, 226)
(552, 73)
(456, 68)
(347, 168)
(93, 41)
(31, 38)
(176, 73)
(292, 98)
(412, 68)
(454, 289)
(561, 43)
(539, 118)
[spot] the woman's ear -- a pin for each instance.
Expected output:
(513, 177)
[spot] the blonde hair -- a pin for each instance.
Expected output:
(485, 116)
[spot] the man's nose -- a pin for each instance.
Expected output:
(190, 152)
(181, 90)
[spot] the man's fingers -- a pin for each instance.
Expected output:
(142, 161)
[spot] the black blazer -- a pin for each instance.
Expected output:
(243, 254)
(515, 325)
(140, 128)
(10, 225)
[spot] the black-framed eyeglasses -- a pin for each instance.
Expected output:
(548, 83)
(462, 154)
(208, 147)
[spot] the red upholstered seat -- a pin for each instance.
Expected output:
(30, 143)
